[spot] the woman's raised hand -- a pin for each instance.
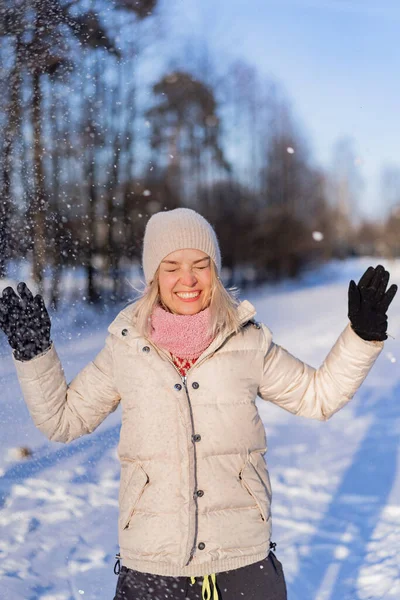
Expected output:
(25, 321)
(368, 304)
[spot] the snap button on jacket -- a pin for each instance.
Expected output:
(189, 509)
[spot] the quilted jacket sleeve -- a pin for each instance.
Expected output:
(317, 393)
(65, 412)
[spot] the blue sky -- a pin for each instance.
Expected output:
(338, 60)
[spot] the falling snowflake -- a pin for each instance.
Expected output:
(341, 552)
(391, 357)
(318, 236)
(290, 150)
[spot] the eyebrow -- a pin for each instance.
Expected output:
(174, 262)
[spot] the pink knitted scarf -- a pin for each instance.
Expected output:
(185, 336)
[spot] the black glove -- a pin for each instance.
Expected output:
(368, 303)
(25, 321)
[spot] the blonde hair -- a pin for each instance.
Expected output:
(223, 305)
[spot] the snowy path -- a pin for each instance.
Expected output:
(336, 485)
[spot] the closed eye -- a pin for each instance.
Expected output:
(173, 270)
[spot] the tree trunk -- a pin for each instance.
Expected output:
(13, 121)
(92, 293)
(5, 206)
(56, 213)
(38, 205)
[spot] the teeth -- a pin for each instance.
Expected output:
(188, 294)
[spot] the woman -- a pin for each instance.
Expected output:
(187, 361)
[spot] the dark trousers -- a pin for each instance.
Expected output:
(263, 580)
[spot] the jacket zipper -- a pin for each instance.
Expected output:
(252, 494)
(196, 524)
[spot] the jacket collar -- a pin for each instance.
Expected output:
(246, 312)
(124, 322)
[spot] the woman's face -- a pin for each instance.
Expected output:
(184, 281)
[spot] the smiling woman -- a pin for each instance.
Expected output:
(187, 362)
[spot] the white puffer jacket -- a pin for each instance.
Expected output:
(195, 495)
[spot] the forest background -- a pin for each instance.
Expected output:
(106, 119)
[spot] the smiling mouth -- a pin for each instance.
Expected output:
(188, 295)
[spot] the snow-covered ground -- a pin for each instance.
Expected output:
(336, 485)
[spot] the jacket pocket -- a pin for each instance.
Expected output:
(255, 479)
(133, 482)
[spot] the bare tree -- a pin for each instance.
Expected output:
(346, 185)
(184, 126)
(390, 187)
(390, 193)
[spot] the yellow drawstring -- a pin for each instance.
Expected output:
(206, 587)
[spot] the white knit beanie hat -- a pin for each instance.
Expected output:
(177, 229)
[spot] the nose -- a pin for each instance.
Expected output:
(189, 279)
